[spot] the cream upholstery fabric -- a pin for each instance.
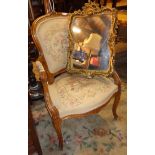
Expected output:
(52, 35)
(74, 94)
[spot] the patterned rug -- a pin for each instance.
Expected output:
(93, 135)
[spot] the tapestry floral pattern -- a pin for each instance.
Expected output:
(76, 90)
(54, 42)
(55, 47)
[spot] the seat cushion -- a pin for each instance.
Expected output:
(74, 94)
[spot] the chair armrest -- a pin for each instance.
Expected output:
(49, 105)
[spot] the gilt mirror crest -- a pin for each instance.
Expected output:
(92, 33)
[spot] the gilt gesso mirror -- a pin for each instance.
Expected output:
(92, 36)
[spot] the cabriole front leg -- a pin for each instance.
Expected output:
(57, 126)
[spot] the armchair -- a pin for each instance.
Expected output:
(68, 95)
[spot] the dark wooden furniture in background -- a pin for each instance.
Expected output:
(35, 9)
(121, 45)
(113, 3)
(33, 141)
(63, 5)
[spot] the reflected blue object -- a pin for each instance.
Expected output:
(79, 55)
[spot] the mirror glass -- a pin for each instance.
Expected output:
(90, 35)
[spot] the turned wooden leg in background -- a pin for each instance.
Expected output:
(105, 3)
(114, 3)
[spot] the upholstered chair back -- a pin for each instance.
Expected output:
(50, 33)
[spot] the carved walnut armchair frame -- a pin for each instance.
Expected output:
(47, 78)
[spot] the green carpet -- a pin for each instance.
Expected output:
(93, 135)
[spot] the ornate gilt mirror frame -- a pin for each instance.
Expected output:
(93, 40)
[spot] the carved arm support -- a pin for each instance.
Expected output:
(49, 105)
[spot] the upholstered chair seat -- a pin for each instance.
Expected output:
(74, 94)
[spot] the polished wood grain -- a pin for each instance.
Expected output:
(47, 78)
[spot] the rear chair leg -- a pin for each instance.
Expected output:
(116, 101)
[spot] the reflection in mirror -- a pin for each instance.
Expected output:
(90, 34)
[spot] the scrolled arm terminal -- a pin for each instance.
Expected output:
(42, 71)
